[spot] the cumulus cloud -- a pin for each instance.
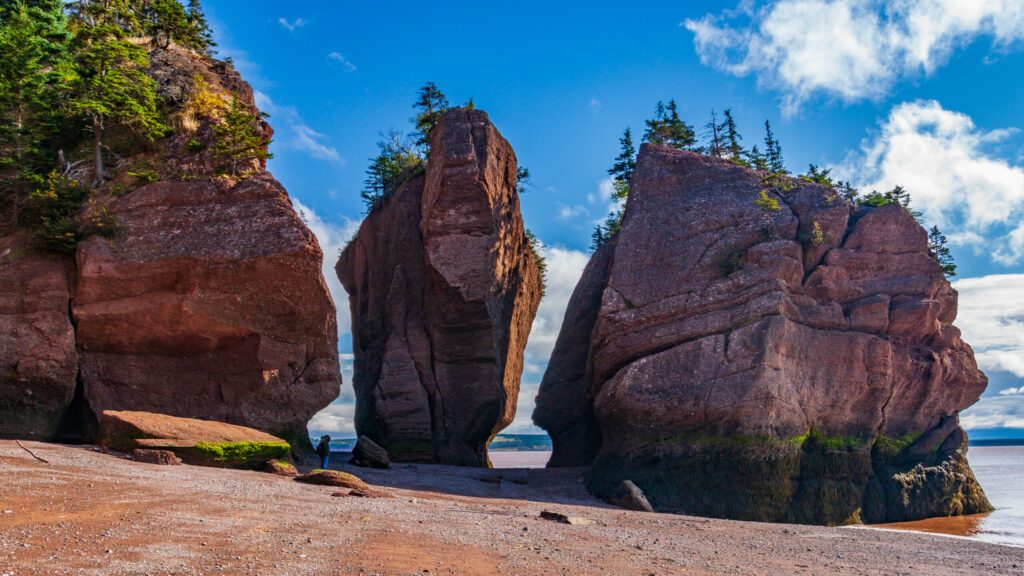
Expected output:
(295, 133)
(565, 267)
(1019, 391)
(954, 177)
(339, 417)
(337, 57)
(991, 317)
(332, 238)
(291, 25)
(569, 212)
(995, 412)
(848, 49)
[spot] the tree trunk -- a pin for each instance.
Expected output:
(97, 150)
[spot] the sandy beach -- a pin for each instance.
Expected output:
(91, 513)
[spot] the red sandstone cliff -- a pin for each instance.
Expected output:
(208, 302)
(443, 290)
(734, 366)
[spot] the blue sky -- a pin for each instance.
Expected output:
(929, 95)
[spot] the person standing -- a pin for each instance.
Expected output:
(323, 450)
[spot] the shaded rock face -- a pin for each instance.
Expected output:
(38, 361)
(443, 290)
(210, 304)
(736, 368)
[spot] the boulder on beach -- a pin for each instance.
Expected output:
(736, 359)
(333, 478)
(197, 442)
(161, 457)
(443, 287)
(368, 453)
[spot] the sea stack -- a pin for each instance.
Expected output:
(443, 288)
(737, 358)
(205, 300)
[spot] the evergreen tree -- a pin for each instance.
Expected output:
(598, 238)
(715, 133)
(773, 151)
(621, 173)
(239, 141)
(430, 105)
(30, 54)
(111, 84)
(163, 21)
(622, 170)
(818, 175)
(757, 160)
(666, 128)
(680, 134)
(200, 37)
(522, 179)
(397, 159)
(733, 148)
(656, 131)
(937, 244)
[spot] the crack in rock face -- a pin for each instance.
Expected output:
(731, 363)
(443, 290)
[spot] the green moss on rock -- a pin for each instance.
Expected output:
(234, 454)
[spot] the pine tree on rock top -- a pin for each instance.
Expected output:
(111, 84)
(32, 44)
(239, 141)
(430, 105)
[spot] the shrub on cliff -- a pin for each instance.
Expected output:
(239, 142)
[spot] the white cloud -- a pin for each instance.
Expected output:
(297, 135)
(569, 212)
(944, 161)
(332, 238)
(595, 104)
(565, 267)
(292, 25)
(1012, 391)
(337, 418)
(848, 49)
(337, 57)
(991, 317)
(994, 412)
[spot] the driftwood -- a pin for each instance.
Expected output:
(33, 454)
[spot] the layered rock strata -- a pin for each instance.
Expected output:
(207, 301)
(732, 360)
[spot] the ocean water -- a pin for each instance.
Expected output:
(1000, 470)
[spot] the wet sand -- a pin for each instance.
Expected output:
(90, 513)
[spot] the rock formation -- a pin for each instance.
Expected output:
(38, 361)
(443, 289)
(197, 442)
(793, 365)
(208, 302)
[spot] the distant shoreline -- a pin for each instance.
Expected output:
(542, 443)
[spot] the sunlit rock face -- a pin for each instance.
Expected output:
(797, 364)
